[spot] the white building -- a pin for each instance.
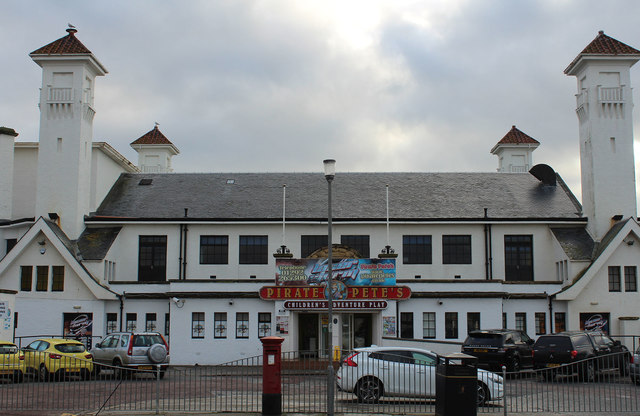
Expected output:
(195, 256)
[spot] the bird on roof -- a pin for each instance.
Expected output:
(71, 26)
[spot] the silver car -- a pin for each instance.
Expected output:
(129, 352)
(373, 372)
(634, 367)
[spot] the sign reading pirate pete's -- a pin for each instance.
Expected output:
(306, 279)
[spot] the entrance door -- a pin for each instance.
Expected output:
(356, 330)
(308, 334)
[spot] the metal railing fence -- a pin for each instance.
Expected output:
(405, 386)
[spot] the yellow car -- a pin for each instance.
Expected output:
(56, 358)
(11, 361)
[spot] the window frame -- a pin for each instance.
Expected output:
(312, 242)
(521, 321)
(219, 331)
(57, 278)
(518, 258)
(152, 258)
(429, 325)
(131, 322)
(253, 249)
(473, 321)
(242, 325)
(540, 323)
(630, 279)
(559, 322)
(264, 325)
(456, 249)
(615, 280)
(406, 325)
(197, 325)
(359, 242)
(26, 278)
(153, 321)
(417, 249)
(451, 325)
(111, 322)
(214, 249)
(42, 278)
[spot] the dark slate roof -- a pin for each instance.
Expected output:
(69, 244)
(576, 242)
(356, 196)
(94, 243)
(67, 45)
(609, 236)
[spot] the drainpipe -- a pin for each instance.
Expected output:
(550, 298)
(488, 251)
(184, 247)
(180, 254)
(121, 298)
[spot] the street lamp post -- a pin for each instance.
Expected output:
(329, 174)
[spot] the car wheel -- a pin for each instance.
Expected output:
(514, 364)
(483, 394)
(43, 373)
(587, 372)
(369, 390)
(18, 377)
(119, 372)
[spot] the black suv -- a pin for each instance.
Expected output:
(497, 347)
(590, 352)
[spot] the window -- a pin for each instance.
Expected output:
(428, 325)
(242, 325)
(406, 325)
(504, 320)
(521, 321)
(112, 322)
(109, 270)
(310, 243)
(11, 243)
(253, 249)
(614, 279)
(26, 278)
(132, 322)
(167, 323)
(456, 249)
(152, 258)
(197, 324)
(451, 324)
(57, 280)
(151, 322)
(541, 323)
(416, 249)
(358, 242)
(473, 321)
(630, 279)
(214, 249)
(518, 257)
(220, 325)
(559, 320)
(264, 324)
(42, 278)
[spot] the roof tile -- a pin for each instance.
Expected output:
(152, 137)
(516, 136)
(67, 45)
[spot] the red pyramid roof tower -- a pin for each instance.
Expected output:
(603, 46)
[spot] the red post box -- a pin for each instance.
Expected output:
(271, 381)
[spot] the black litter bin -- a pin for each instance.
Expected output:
(457, 385)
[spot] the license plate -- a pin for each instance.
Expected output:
(145, 367)
(480, 350)
(553, 365)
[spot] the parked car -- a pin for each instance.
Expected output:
(634, 367)
(129, 352)
(497, 347)
(373, 372)
(11, 361)
(590, 352)
(56, 358)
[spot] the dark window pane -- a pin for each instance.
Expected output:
(26, 278)
(614, 279)
(152, 258)
(253, 249)
(416, 249)
(451, 324)
(406, 325)
(358, 242)
(58, 279)
(456, 249)
(310, 243)
(197, 325)
(214, 249)
(518, 257)
(473, 321)
(42, 278)
(630, 279)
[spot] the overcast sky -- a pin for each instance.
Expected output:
(264, 86)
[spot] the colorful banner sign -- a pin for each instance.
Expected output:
(351, 272)
(349, 293)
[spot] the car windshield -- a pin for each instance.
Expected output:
(147, 340)
(8, 349)
(492, 340)
(69, 348)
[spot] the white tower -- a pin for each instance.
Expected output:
(604, 108)
(7, 143)
(69, 70)
(515, 152)
(154, 152)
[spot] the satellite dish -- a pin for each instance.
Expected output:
(544, 173)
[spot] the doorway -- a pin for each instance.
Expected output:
(356, 330)
(308, 334)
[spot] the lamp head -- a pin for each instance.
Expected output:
(329, 168)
